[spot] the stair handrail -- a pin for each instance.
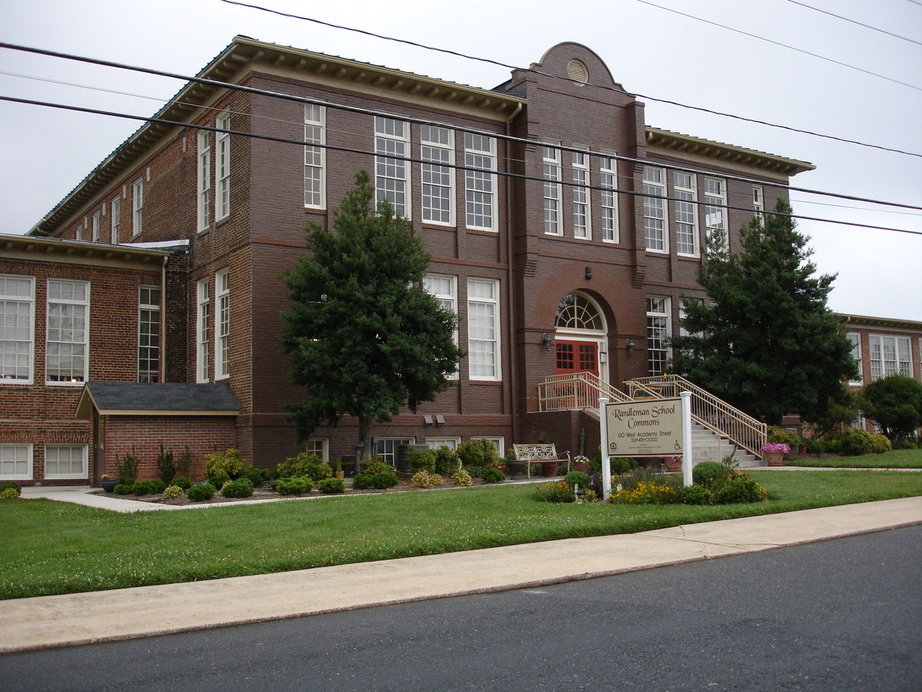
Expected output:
(578, 389)
(708, 410)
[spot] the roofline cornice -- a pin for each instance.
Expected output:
(33, 248)
(880, 323)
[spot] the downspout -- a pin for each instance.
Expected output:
(510, 292)
(163, 304)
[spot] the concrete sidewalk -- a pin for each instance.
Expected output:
(71, 619)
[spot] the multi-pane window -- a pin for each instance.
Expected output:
(222, 163)
(222, 330)
(582, 220)
(137, 207)
(445, 290)
(854, 339)
(15, 462)
(480, 186)
(148, 334)
(67, 351)
(686, 214)
(314, 156)
(17, 298)
(758, 203)
(116, 220)
(715, 209)
(657, 334)
(203, 332)
(437, 146)
(319, 446)
(203, 186)
(65, 461)
(386, 447)
(553, 221)
(95, 224)
(392, 175)
(609, 199)
(890, 355)
(654, 209)
(437, 442)
(483, 329)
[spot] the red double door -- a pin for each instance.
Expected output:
(577, 356)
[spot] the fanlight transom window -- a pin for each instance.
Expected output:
(577, 312)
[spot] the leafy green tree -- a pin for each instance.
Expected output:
(765, 341)
(365, 338)
(895, 404)
(842, 410)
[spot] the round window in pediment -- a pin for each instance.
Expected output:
(577, 71)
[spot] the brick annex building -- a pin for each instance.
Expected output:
(144, 308)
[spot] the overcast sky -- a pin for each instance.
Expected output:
(649, 50)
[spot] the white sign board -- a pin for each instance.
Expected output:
(645, 428)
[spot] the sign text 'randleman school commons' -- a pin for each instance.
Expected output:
(638, 429)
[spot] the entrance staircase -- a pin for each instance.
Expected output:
(719, 429)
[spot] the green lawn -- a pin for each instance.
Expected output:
(49, 547)
(897, 459)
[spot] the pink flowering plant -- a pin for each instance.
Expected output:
(776, 447)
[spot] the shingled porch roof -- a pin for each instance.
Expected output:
(156, 399)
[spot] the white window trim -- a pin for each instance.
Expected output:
(66, 476)
(581, 194)
(221, 325)
(30, 458)
(30, 300)
(202, 338)
(552, 190)
(497, 352)
(449, 441)
(137, 207)
(315, 116)
(758, 202)
(658, 190)
(381, 140)
(86, 342)
(608, 179)
(154, 308)
(855, 338)
(222, 172)
(898, 341)
(435, 165)
(667, 330)
(451, 298)
(391, 457)
(96, 223)
(115, 223)
(686, 196)
(324, 447)
(718, 202)
(203, 180)
(473, 157)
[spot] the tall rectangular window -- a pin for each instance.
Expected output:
(203, 180)
(392, 175)
(437, 145)
(222, 170)
(137, 207)
(445, 290)
(890, 355)
(480, 186)
(582, 219)
(203, 332)
(553, 221)
(483, 329)
(314, 156)
(319, 446)
(17, 328)
(686, 214)
(65, 461)
(609, 199)
(148, 334)
(758, 203)
(654, 209)
(715, 209)
(15, 462)
(68, 335)
(115, 224)
(222, 330)
(96, 225)
(657, 334)
(78, 232)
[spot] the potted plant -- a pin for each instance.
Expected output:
(108, 483)
(673, 464)
(549, 468)
(581, 463)
(773, 453)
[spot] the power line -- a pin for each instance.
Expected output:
(778, 43)
(489, 61)
(852, 21)
(419, 121)
(409, 159)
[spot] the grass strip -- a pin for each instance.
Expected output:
(896, 459)
(49, 547)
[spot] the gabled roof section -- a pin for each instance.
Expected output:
(156, 399)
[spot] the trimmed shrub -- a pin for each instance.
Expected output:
(155, 485)
(479, 453)
(880, 443)
(815, 446)
(126, 468)
(294, 485)
(151, 487)
(376, 465)
(166, 469)
(711, 474)
(420, 479)
(171, 492)
(855, 442)
(124, 489)
(491, 474)
(462, 477)
(579, 478)
(255, 476)
(182, 481)
(446, 461)
(778, 435)
(10, 485)
(435, 479)
(200, 491)
(228, 465)
(740, 489)
(384, 480)
(331, 486)
(696, 495)
(304, 464)
(557, 491)
(242, 487)
(421, 459)
(620, 465)
(8, 494)
(362, 481)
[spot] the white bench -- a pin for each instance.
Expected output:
(536, 453)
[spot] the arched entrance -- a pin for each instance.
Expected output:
(581, 337)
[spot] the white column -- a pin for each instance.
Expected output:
(687, 461)
(603, 430)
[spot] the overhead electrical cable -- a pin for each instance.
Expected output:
(409, 159)
(853, 21)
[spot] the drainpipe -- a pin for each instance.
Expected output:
(510, 275)
(163, 333)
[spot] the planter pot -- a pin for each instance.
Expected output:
(548, 468)
(109, 484)
(339, 474)
(673, 464)
(773, 458)
(516, 468)
(581, 466)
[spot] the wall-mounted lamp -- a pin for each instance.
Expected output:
(630, 345)
(547, 340)
(588, 273)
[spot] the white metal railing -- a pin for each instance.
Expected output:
(711, 412)
(577, 390)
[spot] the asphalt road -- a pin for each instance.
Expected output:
(838, 615)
